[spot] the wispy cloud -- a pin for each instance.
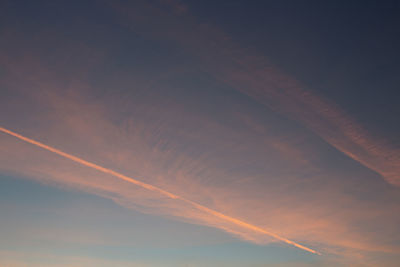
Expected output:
(219, 215)
(148, 151)
(249, 164)
(252, 74)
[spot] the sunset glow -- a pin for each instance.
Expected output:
(176, 133)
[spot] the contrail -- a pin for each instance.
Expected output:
(157, 189)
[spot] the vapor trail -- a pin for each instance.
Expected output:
(157, 189)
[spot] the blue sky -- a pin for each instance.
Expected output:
(187, 133)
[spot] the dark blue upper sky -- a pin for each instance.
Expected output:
(346, 51)
(283, 114)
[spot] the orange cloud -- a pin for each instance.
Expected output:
(246, 172)
(156, 189)
(322, 216)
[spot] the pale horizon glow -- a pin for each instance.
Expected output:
(174, 133)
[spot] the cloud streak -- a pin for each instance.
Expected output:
(158, 190)
(252, 74)
(194, 140)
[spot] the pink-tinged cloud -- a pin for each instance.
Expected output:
(138, 149)
(212, 212)
(252, 74)
(255, 171)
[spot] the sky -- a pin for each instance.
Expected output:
(199, 133)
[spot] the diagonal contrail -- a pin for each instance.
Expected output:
(157, 189)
